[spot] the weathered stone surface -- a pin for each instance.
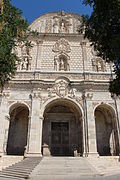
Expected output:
(61, 69)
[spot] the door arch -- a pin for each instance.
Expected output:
(18, 129)
(106, 130)
(62, 129)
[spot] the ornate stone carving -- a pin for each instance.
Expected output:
(98, 64)
(61, 62)
(25, 63)
(36, 94)
(48, 27)
(61, 46)
(56, 25)
(62, 89)
(6, 93)
(89, 96)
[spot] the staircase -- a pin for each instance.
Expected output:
(105, 165)
(21, 169)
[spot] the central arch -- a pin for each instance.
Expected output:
(62, 129)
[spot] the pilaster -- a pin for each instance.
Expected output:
(39, 50)
(84, 55)
(35, 128)
(91, 125)
(4, 122)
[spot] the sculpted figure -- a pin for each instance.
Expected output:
(25, 64)
(62, 27)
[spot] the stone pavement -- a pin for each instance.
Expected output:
(61, 168)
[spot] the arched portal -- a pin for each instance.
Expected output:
(62, 129)
(106, 130)
(18, 129)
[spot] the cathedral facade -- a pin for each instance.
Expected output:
(58, 104)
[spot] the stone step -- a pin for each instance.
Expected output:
(14, 175)
(9, 177)
(18, 168)
(21, 169)
(28, 166)
(15, 170)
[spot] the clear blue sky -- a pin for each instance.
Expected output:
(34, 8)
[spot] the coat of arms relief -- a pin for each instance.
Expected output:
(62, 89)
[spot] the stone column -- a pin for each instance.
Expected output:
(85, 128)
(91, 126)
(35, 128)
(4, 123)
(38, 55)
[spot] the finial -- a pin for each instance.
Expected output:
(63, 13)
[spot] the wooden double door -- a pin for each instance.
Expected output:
(60, 139)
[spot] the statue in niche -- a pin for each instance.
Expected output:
(98, 65)
(61, 64)
(56, 64)
(93, 64)
(56, 26)
(62, 27)
(25, 62)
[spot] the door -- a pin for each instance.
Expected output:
(60, 138)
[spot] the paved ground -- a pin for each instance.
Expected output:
(68, 168)
(115, 177)
(57, 168)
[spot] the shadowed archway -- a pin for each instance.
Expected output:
(106, 130)
(18, 129)
(62, 129)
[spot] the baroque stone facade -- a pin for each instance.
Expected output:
(58, 103)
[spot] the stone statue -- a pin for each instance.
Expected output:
(99, 66)
(25, 63)
(55, 28)
(62, 65)
(62, 27)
